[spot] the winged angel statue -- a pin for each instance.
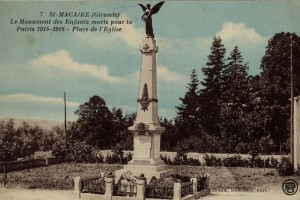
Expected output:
(147, 17)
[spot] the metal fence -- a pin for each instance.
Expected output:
(93, 185)
(186, 189)
(125, 189)
(201, 183)
(159, 192)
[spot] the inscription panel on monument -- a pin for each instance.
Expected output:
(142, 146)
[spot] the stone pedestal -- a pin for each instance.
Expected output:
(109, 186)
(140, 188)
(296, 132)
(146, 129)
(177, 191)
(77, 186)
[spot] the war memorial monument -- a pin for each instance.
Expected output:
(137, 180)
(146, 129)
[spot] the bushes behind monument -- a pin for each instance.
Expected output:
(84, 153)
(81, 152)
(282, 164)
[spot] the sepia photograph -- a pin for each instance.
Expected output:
(149, 100)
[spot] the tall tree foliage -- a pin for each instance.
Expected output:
(168, 137)
(234, 101)
(8, 146)
(120, 128)
(100, 127)
(31, 139)
(190, 133)
(8, 141)
(187, 120)
(257, 113)
(276, 84)
(235, 80)
(212, 86)
(94, 124)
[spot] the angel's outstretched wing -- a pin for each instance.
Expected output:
(156, 8)
(143, 7)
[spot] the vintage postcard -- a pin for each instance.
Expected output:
(198, 91)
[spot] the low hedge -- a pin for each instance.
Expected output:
(232, 161)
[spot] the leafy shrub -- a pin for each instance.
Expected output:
(161, 188)
(258, 162)
(166, 159)
(128, 157)
(254, 155)
(211, 160)
(81, 152)
(121, 159)
(267, 163)
(112, 158)
(180, 159)
(193, 162)
(235, 161)
(183, 160)
(180, 178)
(93, 185)
(58, 150)
(273, 162)
(285, 167)
(97, 156)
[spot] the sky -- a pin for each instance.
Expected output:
(37, 67)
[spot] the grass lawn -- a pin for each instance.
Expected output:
(61, 176)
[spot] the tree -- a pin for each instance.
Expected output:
(276, 86)
(123, 137)
(59, 149)
(234, 101)
(129, 119)
(168, 137)
(187, 120)
(8, 145)
(235, 80)
(257, 114)
(94, 124)
(212, 87)
(266, 144)
(49, 138)
(31, 139)
(81, 152)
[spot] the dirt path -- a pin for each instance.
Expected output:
(23, 194)
(252, 196)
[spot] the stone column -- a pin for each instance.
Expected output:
(195, 183)
(140, 188)
(147, 108)
(77, 186)
(207, 182)
(296, 132)
(146, 129)
(109, 186)
(177, 191)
